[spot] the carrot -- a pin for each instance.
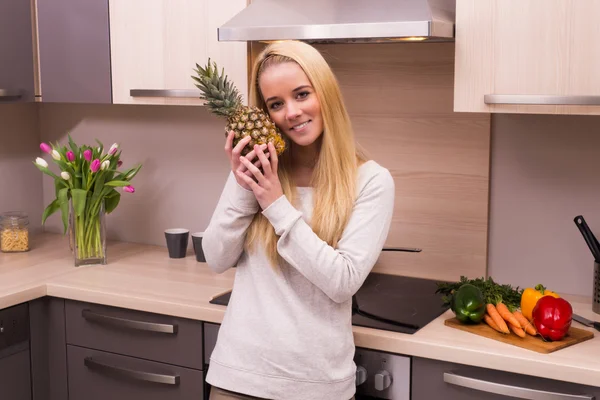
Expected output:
(488, 320)
(520, 332)
(493, 312)
(525, 324)
(506, 315)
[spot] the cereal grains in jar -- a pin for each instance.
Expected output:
(14, 232)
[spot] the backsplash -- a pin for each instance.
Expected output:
(183, 171)
(20, 180)
(544, 172)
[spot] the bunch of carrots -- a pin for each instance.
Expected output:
(501, 319)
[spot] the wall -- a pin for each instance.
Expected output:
(400, 99)
(183, 171)
(20, 180)
(545, 171)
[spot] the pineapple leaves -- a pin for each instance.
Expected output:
(221, 95)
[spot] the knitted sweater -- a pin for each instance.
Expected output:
(287, 331)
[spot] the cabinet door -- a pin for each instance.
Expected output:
(541, 53)
(74, 51)
(15, 382)
(432, 379)
(155, 45)
(96, 375)
(16, 51)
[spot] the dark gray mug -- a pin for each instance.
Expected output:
(177, 242)
(197, 241)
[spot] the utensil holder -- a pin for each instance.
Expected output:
(596, 297)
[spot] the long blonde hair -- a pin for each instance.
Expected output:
(335, 173)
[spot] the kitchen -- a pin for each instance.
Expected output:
(474, 189)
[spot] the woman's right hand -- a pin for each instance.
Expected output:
(234, 154)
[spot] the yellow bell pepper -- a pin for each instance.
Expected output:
(530, 297)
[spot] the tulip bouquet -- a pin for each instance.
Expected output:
(86, 188)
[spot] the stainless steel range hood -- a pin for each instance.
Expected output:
(351, 21)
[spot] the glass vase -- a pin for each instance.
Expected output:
(87, 234)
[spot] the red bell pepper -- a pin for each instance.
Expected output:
(552, 317)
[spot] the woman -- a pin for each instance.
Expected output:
(304, 230)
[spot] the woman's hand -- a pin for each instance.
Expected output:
(234, 155)
(266, 187)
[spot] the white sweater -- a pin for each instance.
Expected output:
(287, 332)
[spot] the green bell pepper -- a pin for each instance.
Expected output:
(468, 304)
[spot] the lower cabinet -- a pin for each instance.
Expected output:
(15, 382)
(98, 375)
(432, 379)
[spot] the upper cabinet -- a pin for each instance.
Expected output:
(155, 45)
(535, 56)
(16, 51)
(74, 51)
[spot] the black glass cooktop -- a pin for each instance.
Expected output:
(389, 302)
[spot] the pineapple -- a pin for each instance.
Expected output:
(224, 99)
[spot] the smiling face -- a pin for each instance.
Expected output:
(292, 102)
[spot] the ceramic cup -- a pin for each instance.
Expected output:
(197, 241)
(177, 242)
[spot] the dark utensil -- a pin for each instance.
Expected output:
(586, 322)
(589, 237)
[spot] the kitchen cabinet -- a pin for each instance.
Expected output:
(155, 45)
(433, 379)
(16, 52)
(98, 375)
(74, 51)
(127, 354)
(48, 349)
(15, 383)
(537, 57)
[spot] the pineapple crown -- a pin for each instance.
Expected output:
(221, 96)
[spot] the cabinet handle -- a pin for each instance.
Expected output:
(185, 93)
(541, 99)
(130, 373)
(8, 93)
(129, 323)
(509, 390)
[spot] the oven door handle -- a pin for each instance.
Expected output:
(519, 392)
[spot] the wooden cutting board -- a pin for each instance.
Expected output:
(534, 343)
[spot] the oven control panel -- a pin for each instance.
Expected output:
(382, 375)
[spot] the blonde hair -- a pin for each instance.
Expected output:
(335, 173)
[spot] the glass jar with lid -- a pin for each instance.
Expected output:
(14, 232)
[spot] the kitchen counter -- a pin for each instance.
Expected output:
(143, 277)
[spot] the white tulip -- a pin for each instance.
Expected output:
(41, 162)
(55, 155)
(113, 149)
(104, 165)
(65, 175)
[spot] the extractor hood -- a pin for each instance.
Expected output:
(346, 21)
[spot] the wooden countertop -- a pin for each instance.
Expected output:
(143, 277)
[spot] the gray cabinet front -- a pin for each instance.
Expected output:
(15, 381)
(16, 51)
(155, 337)
(432, 379)
(74, 51)
(97, 375)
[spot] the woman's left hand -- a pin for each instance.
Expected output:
(267, 187)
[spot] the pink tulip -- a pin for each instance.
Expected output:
(87, 155)
(95, 166)
(46, 148)
(119, 163)
(70, 156)
(129, 189)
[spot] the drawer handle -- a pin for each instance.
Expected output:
(509, 390)
(183, 93)
(7, 93)
(130, 373)
(541, 99)
(129, 323)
